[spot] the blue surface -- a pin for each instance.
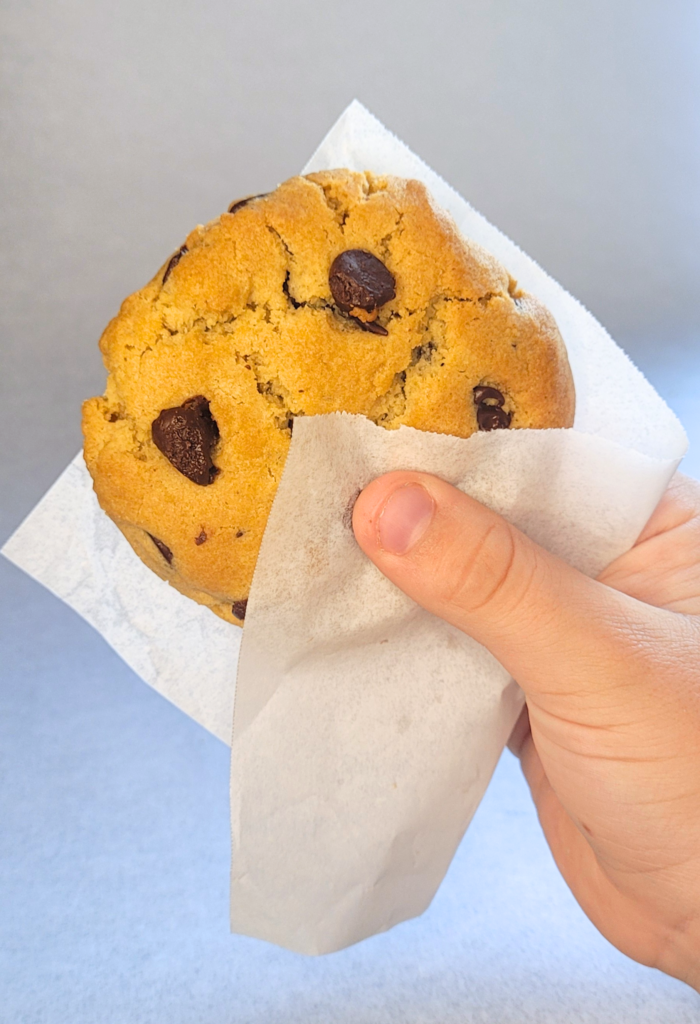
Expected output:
(114, 859)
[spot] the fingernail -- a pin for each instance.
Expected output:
(405, 518)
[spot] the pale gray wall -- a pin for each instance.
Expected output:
(574, 126)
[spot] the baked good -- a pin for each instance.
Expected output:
(337, 291)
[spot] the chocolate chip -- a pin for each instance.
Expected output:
(371, 325)
(489, 414)
(202, 537)
(490, 417)
(163, 548)
(244, 202)
(239, 533)
(360, 281)
(238, 608)
(483, 394)
(174, 260)
(186, 435)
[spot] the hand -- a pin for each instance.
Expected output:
(610, 739)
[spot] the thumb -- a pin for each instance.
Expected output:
(554, 629)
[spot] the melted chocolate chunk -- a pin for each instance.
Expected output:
(244, 202)
(490, 417)
(174, 260)
(186, 435)
(372, 326)
(489, 412)
(202, 537)
(484, 395)
(238, 608)
(358, 280)
(163, 548)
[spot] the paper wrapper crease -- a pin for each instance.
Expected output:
(365, 730)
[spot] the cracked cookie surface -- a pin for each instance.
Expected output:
(245, 328)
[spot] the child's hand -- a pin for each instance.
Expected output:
(611, 670)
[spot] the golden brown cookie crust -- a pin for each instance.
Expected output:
(244, 316)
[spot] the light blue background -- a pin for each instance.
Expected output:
(574, 128)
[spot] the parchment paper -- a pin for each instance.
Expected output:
(365, 730)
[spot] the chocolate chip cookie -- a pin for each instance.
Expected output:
(337, 291)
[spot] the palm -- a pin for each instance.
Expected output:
(599, 782)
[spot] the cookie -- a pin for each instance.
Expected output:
(337, 291)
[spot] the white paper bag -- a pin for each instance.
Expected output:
(365, 730)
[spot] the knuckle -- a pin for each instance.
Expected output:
(481, 573)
